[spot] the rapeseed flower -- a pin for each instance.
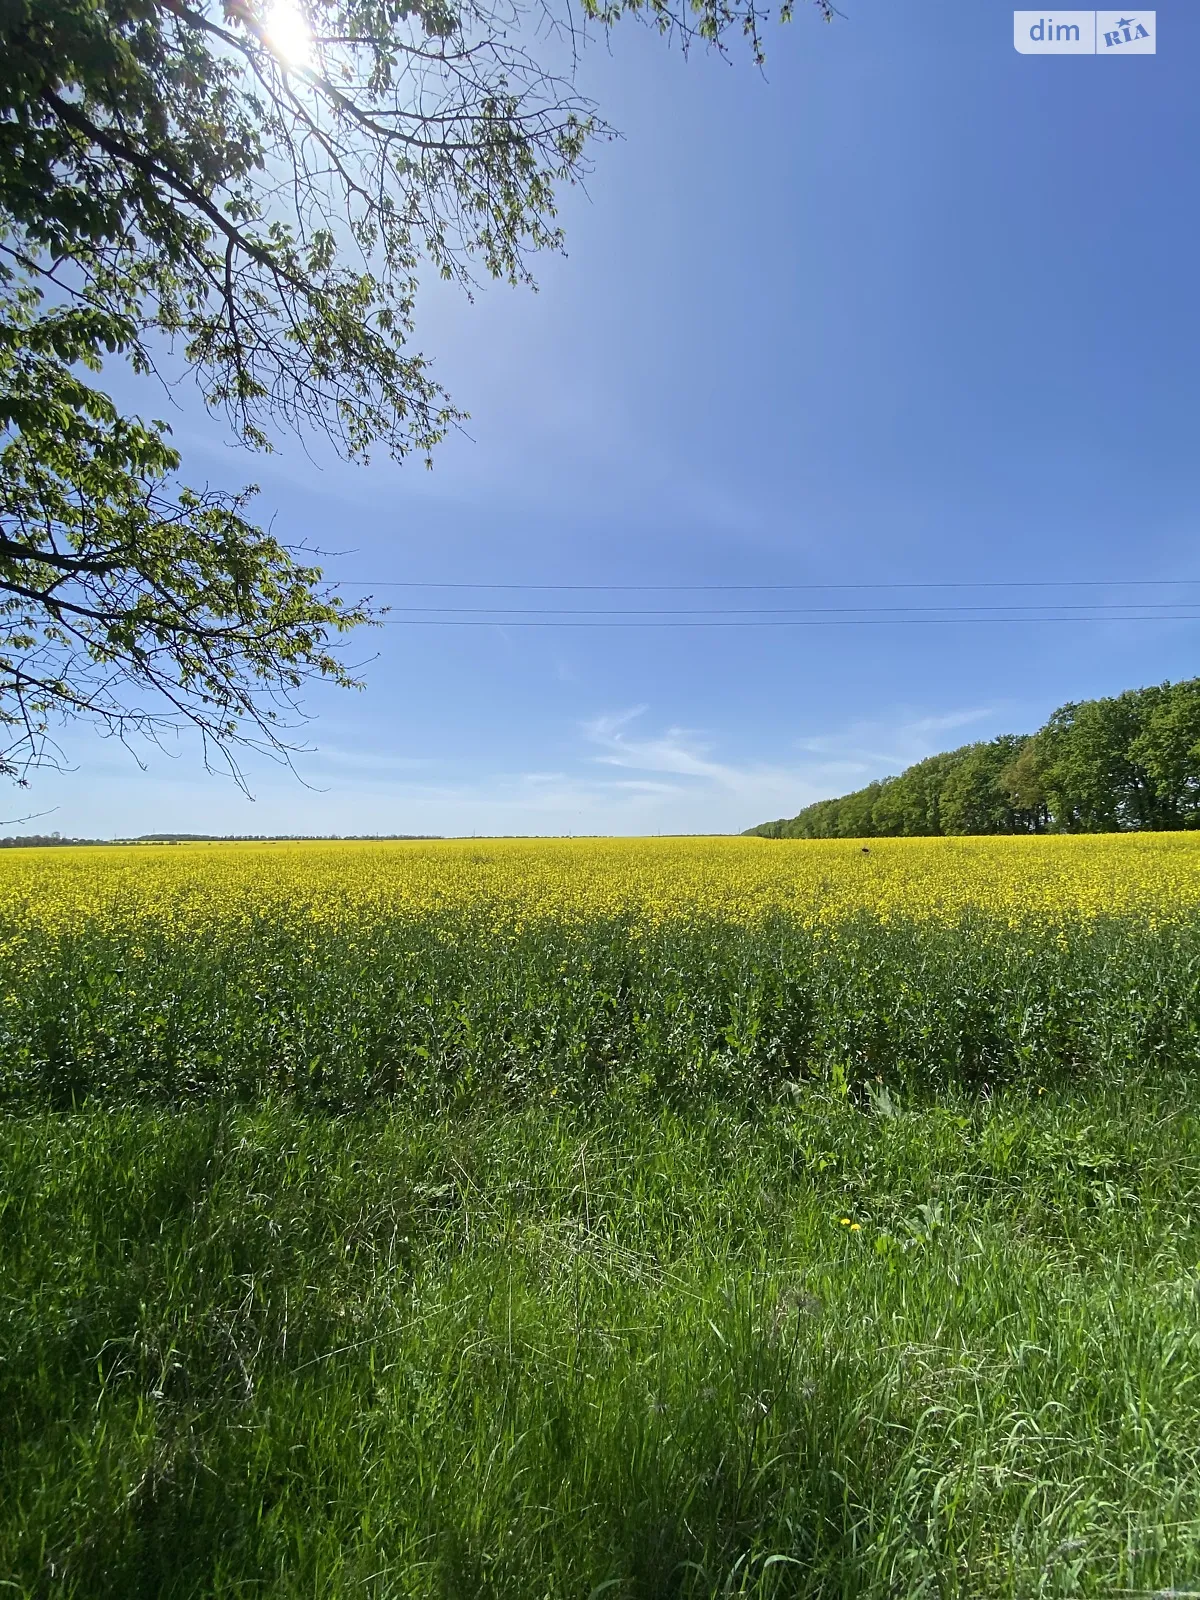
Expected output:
(1054, 883)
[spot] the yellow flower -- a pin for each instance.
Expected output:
(856, 1227)
(1057, 883)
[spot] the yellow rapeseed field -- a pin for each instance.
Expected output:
(1055, 879)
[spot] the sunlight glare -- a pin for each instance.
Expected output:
(286, 31)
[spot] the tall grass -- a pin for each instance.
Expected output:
(842, 1348)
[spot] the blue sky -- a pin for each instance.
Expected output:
(908, 308)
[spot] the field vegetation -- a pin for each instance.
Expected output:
(629, 1218)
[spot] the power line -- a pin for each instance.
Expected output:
(723, 588)
(500, 613)
(481, 616)
(794, 622)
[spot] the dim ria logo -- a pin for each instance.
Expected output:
(1084, 33)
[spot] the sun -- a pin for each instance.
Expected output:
(286, 31)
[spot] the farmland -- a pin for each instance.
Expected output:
(566, 1218)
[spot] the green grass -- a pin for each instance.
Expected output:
(523, 1351)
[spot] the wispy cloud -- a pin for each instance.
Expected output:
(366, 760)
(703, 778)
(951, 719)
(676, 750)
(877, 747)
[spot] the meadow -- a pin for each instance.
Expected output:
(576, 1218)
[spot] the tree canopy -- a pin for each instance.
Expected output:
(247, 191)
(1124, 763)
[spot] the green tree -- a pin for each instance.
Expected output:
(1168, 749)
(854, 818)
(1093, 779)
(910, 807)
(1023, 782)
(974, 798)
(114, 586)
(249, 190)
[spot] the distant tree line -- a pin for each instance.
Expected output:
(270, 838)
(19, 840)
(1097, 766)
(46, 839)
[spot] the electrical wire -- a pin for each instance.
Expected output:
(569, 612)
(722, 588)
(794, 622)
(1175, 609)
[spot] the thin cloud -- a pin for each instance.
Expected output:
(951, 719)
(368, 760)
(867, 747)
(683, 753)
